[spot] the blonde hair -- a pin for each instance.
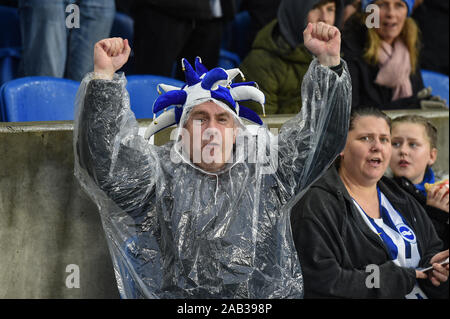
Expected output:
(410, 36)
(430, 130)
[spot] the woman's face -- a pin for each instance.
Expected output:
(411, 151)
(393, 14)
(368, 150)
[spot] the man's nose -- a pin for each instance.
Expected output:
(211, 132)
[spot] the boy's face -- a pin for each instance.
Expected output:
(211, 136)
(323, 13)
(411, 151)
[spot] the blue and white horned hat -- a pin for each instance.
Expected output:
(202, 85)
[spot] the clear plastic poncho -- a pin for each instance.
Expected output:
(175, 231)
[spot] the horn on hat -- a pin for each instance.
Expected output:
(175, 97)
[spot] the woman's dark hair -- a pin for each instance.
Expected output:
(361, 112)
(368, 111)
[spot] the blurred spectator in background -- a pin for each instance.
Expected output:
(261, 12)
(9, 3)
(167, 30)
(432, 18)
(54, 44)
(384, 60)
(124, 6)
(351, 6)
(279, 59)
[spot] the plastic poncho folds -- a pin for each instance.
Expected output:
(175, 231)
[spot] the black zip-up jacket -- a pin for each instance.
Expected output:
(438, 217)
(335, 245)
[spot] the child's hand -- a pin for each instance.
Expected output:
(438, 195)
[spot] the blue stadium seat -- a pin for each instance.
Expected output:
(228, 60)
(123, 27)
(10, 43)
(439, 83)
(38, 98)
(143, 92)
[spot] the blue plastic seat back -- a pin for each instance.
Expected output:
(228, 60)
(143, 92)
(39, 99)
(9, 64)
(438, 82)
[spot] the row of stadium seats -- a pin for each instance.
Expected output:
(36, 95)
(53, 99)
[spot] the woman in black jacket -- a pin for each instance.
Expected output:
(383, 60)
(358, 234)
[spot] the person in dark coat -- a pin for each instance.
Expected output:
(358, 234)
(432, 18)
(167, 30)
(261, 13)
(383, 61)
(279, 59)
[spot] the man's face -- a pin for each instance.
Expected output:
(323, 13)
(211, 135)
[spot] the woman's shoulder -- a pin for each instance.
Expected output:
(394, 187)
(397, 191)
(323, 196)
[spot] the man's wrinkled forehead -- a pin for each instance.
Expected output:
(209, 109)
